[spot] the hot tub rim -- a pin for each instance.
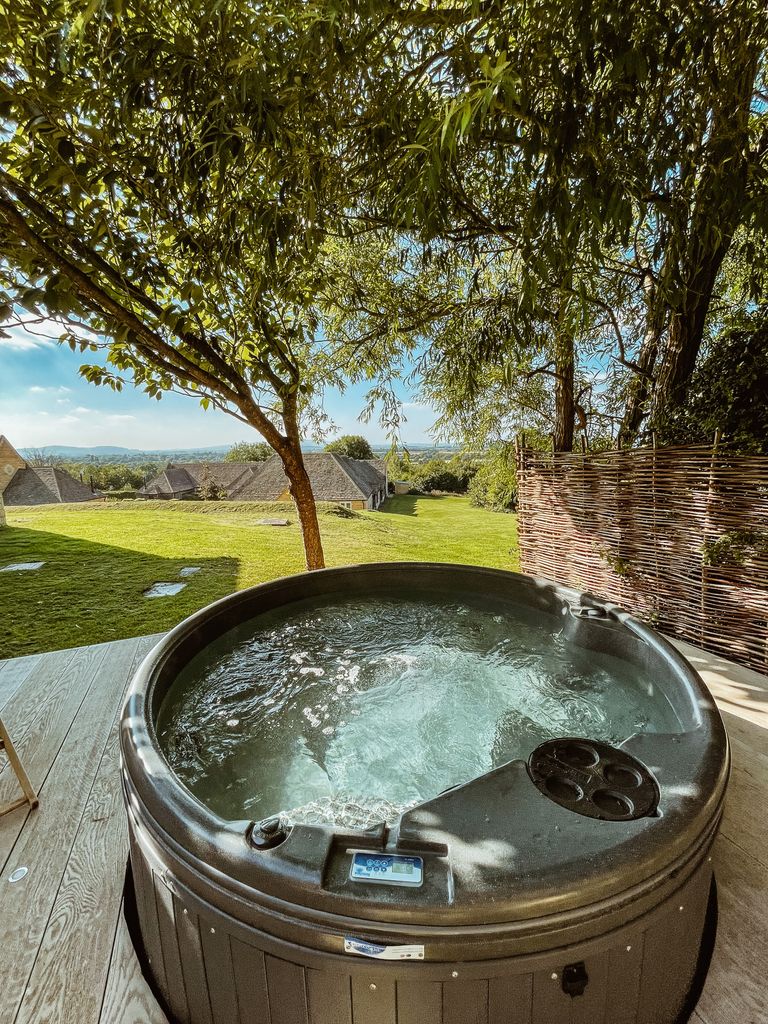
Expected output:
(140, 744)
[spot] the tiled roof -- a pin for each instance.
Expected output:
(170, 481)
(333, 478)
(44, 485)
(185, 477)
(369, 474)
(225, 474)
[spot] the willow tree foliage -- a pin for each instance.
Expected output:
(610, 147)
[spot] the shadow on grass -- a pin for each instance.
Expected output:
(406, 504)
(89, 593)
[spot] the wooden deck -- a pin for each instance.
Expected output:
(65, 956)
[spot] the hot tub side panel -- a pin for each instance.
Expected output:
(212, 969)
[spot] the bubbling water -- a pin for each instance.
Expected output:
(349, 711)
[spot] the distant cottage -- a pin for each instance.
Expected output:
(354, 483)
(21, 484)
(184, 479)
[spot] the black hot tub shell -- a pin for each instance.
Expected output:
(528, 913)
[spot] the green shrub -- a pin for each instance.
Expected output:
(494, 486)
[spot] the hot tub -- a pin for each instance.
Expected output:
(566, 879)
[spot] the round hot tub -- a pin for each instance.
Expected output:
(421, 794)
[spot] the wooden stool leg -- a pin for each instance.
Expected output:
(30, 796)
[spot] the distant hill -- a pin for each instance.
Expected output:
(106, 451)
(114, 453)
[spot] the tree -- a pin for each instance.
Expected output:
(494, 486)
(39, 457)
(209, 490)
(603, 148)
(247, 451)
(726, 392)
(451, 475)
(166, 177)
(352, 445)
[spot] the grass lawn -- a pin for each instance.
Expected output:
(99, 558)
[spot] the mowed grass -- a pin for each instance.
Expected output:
(100, 558)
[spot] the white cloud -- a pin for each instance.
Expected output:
(24, 342)
(37, 390)
(83, 409)
(120, 418)
(19, 339)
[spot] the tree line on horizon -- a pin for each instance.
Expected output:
(551, 217)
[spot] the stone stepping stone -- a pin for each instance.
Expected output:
(273, 522)
(164, 589)
(189, 570)
(22, 566)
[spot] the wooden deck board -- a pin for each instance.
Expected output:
(47, 840)
(736, 990)
(12, 675)
(67, 956)
(38, 718)
(70, 971)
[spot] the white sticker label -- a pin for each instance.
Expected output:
(362, 948)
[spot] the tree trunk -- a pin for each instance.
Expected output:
(684, 338)
(301, 490)
(636, 408)
(718, 209)
(565, 404)
(304, 500)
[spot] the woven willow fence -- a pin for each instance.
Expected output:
(678, 536)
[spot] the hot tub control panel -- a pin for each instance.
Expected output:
(387, 868)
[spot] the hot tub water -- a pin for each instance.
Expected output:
(350, 711)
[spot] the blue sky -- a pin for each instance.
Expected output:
(44, 401)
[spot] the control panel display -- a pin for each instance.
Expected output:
(386, 868)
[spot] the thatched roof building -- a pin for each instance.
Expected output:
(21, 484)
(356, 483)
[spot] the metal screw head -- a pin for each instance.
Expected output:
(18, 874)
(554, 975)
(213, 931)
(629, 949)
(680, 907)
(372, 987)
(454, 974)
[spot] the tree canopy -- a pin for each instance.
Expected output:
(247, 451)
(165, 181)
(600, 162)
(354, 446)
(540, 211)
